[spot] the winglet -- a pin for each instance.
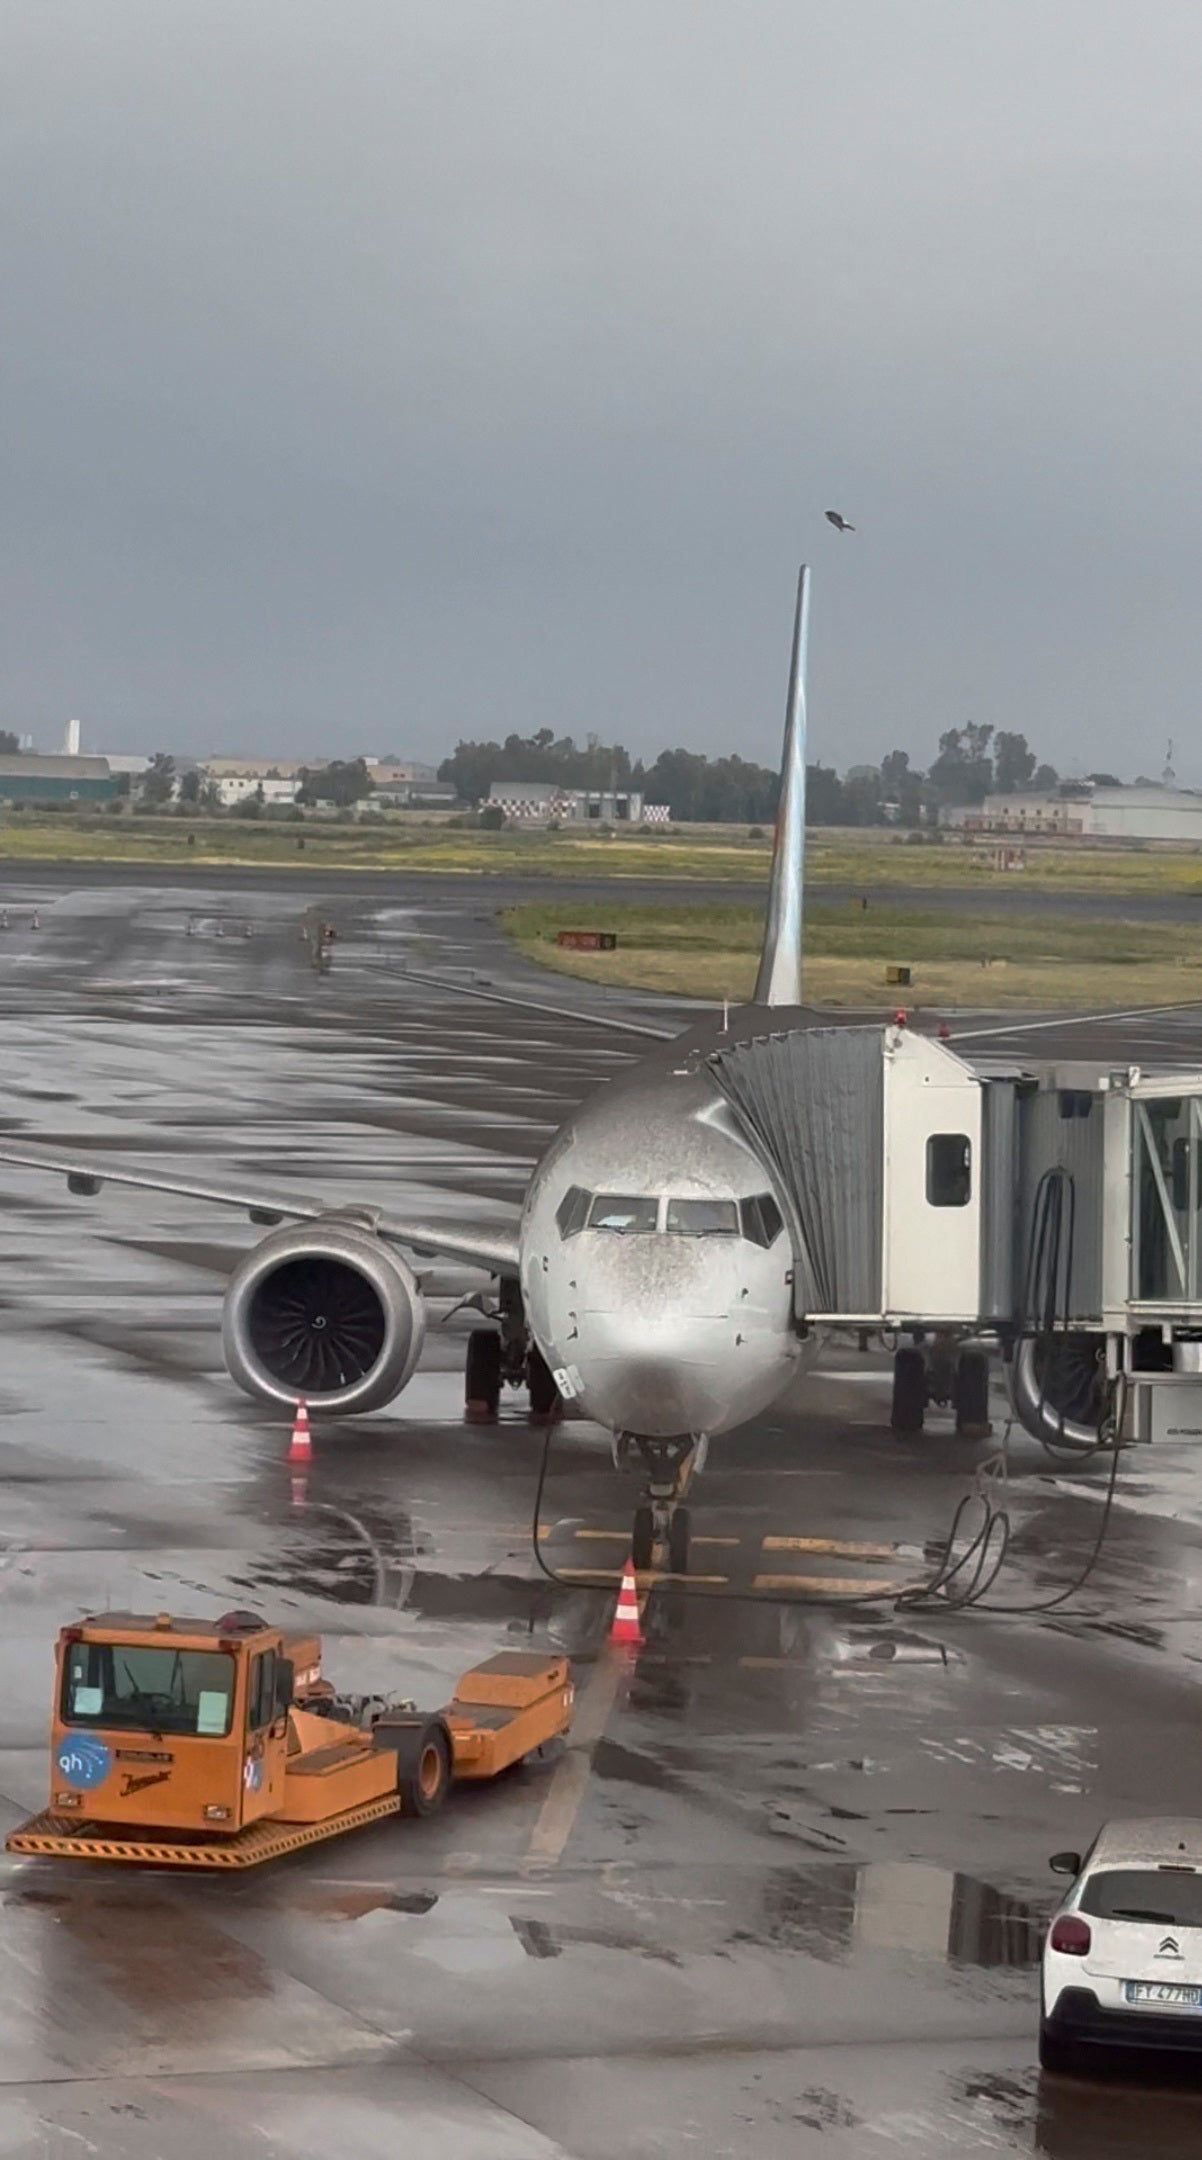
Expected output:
(779, 979)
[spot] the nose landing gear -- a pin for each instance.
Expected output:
(662, 1518)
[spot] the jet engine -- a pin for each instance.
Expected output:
(1058, 1386)
(326, 1310)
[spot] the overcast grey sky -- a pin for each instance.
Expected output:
(389, 370)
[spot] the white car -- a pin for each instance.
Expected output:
(1122, 1963)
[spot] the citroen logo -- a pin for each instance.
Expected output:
(1169, 1948)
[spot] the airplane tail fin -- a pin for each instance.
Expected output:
(779, 978)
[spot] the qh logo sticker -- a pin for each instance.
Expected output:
(252, 1773)
(83, 1762)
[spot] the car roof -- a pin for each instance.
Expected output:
(1150, 1841)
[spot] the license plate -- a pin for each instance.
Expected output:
(1162, 1994)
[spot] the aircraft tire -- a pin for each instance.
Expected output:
(678, 1541)
(642, 1543)
(544, 1395)
(972, 1394)
(909, 1391)
(482, 1373)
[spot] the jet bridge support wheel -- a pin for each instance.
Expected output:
(971, 1395)
(909, 1391)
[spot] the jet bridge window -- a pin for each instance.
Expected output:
(572, 1212)
(949, 1169)
(703, 1218)
(761, 1219)
(628, 1214)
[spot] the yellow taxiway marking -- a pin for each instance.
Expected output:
(832, 1585)
(557, 1815)
(645, 1578)
(622, 1537)
(835, 1548)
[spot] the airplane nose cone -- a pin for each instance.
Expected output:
(650, 1398)
(655, 1379)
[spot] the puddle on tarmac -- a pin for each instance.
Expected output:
(840, 1910)
(832, 1912)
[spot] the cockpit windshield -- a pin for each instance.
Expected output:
(757, 1219)
(624, 1213)
(703, 1218)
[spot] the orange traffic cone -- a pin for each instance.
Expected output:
(626, 1626)
(300, 1447)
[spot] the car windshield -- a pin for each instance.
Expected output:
(622, 1212)
(1164, 1897)
(703, 1218)
(148, 1689)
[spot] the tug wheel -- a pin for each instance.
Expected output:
(423, 1763)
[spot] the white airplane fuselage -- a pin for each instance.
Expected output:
(656, 1268)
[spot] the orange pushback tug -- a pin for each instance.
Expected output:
(217, 1744)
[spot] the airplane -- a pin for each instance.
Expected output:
(649, 1280)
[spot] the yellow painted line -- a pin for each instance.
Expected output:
(831, 1585)
(557, 1815)
(622, 1537)
(836, 1548)
(646, 1581)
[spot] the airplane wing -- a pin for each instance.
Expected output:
(493, 1250)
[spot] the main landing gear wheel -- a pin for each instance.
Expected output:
(544, 1395)
(971, 1395)
(642, 1543)
(482, 1376)
(909, 1391)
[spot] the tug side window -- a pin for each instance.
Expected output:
(260, 1698)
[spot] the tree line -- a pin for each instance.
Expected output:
(973, 761)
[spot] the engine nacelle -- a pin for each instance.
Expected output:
(1058, 1386)
(325, 1310)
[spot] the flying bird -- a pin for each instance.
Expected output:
(840, 523)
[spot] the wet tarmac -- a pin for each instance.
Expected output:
(782, 1893)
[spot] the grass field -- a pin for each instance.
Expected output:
(864, 861)
(400, 846)
(957, 959)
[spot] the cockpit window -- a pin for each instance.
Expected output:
(703, 1218)
(622, 1212)
(761, 1219)
(572, 1212)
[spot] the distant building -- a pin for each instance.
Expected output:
(1083, 811)
(131, 768)
(395, 785)
(543, 802)
(392, 794)
(233, 788)
(32, 779)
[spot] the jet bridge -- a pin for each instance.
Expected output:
(1053, 1208)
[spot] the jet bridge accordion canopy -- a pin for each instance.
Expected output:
(813, 1102)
